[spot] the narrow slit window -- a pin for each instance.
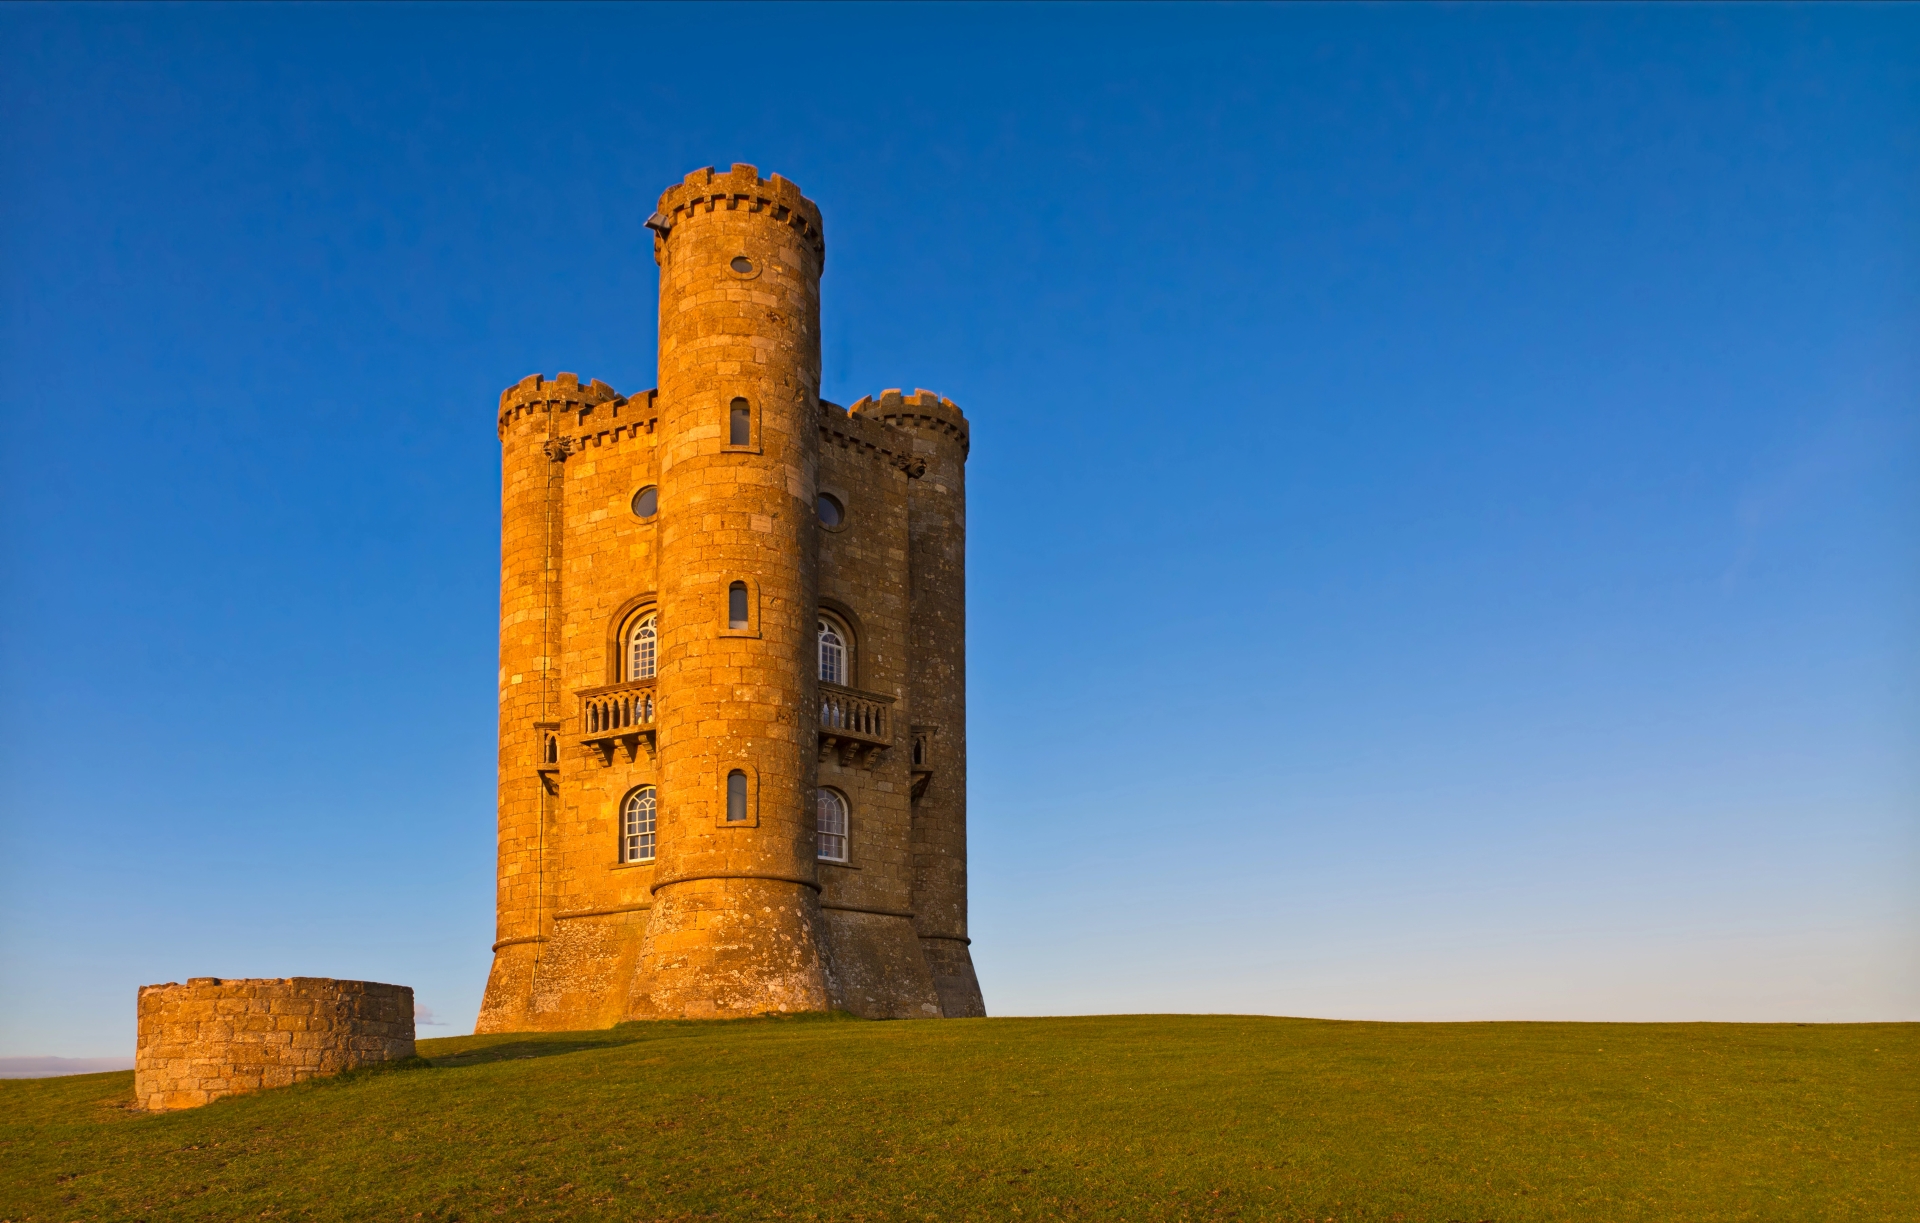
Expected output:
(643, 649)
(636, 826)
(833, 826)
(737, 605)
(833, 655)
(736, 797)
(740, 424)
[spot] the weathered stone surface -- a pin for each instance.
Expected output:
(212, 1037)
(730, 917)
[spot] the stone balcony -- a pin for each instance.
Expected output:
(620, 717)
(617, 716)
(858, 725)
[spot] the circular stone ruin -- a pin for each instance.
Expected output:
(211, 1038)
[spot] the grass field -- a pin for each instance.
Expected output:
(1124, 1117)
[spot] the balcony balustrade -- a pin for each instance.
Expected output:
(618, 715)
(858, 725)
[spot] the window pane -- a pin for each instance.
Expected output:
(736, 797)
(829, 509)
(832, 824)
(641, 651)
(740, 424)
(833, 655)
(637, 827)
(737, 605)
(646, 502)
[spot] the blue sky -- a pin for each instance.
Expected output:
(1442, 494)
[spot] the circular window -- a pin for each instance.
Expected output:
(646, 502)
(832, 513)
(742, 265)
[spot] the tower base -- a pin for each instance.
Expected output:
(875, 969)
(503, 1008)
(729, 948)
(951, 961)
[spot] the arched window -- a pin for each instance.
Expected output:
(833, 825)
(740, 423)
(737, 605)
(833, 653)
(642, 643)
(736, 796)
(636, 826)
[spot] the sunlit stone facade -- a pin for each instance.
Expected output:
(732, 662)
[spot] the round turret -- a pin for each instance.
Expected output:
(937, 613)
(533, 418)
(735, 923)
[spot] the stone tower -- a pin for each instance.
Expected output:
(732, 647)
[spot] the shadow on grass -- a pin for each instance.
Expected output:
(457, 1051)
(518, 1050)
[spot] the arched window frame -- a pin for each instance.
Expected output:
(735, 404)
(831, 619)
(724, 594)
(833, 825)
(724, 806)
(639, 825)
(620, 626)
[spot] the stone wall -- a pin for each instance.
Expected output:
(211, 1038)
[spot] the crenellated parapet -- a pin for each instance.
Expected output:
(923, 411)
(533, 395)
(576, 415)
(868, 436)
(740, 188)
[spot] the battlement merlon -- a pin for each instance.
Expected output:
(921, 411)
(535, 393)
(741, 187)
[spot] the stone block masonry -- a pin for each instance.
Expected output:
(732, 766)
(211, 1038)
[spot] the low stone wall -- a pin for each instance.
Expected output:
(211, 1038)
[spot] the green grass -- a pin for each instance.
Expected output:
(1127, 1117)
